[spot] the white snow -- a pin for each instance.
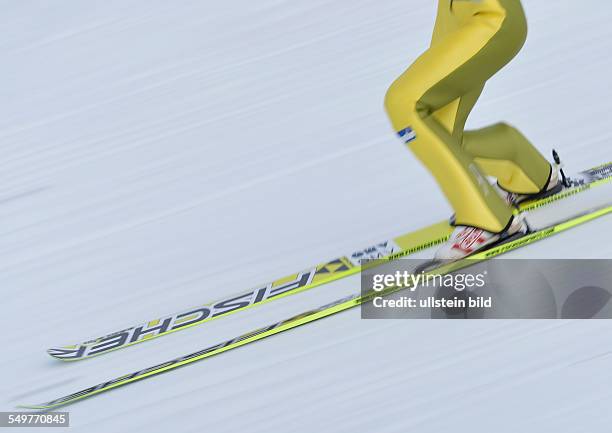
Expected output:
(157, 155)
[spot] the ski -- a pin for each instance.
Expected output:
(314, 276)
(327, 310)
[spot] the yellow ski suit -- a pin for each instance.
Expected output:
(429, 103)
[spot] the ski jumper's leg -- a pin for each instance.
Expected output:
(429, 103)
(499, 150)
(502, 151)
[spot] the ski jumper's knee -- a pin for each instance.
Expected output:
(503, 152)
(401, 104)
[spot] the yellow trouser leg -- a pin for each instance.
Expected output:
(503, 152)
(429, 103)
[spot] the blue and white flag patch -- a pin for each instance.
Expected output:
(407, 135)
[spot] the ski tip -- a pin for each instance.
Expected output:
(65, 353)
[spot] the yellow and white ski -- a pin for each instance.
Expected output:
(330, 309)
(332, 270)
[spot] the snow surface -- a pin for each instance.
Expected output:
(157, 155)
